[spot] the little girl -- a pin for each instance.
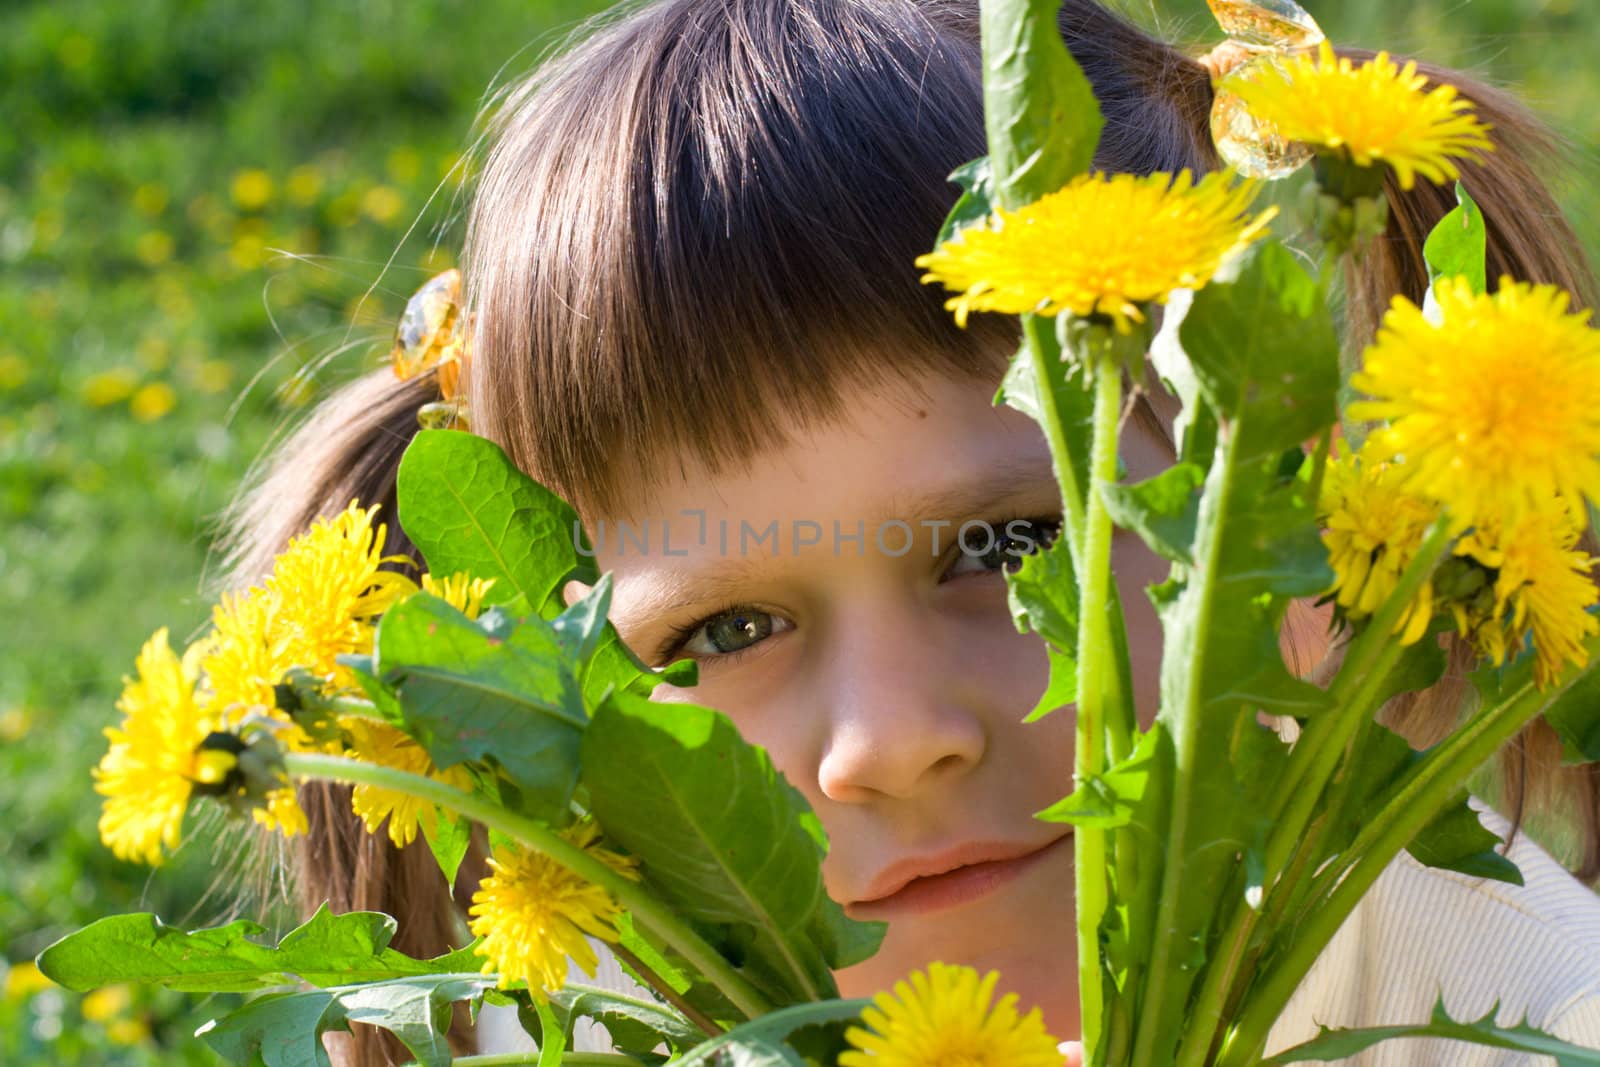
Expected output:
(690, 273)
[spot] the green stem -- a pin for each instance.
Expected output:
(1039, 335)
(650, 913)
(1314, 762)
(1319, 465)
(1325, 738)
(1186, 718)
(1434, 783)
(1094, 658)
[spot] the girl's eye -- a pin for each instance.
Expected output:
(732, 631)
(994, 547)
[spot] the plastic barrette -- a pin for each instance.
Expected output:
(1259, 32)
(433, 335)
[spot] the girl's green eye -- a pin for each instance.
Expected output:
(734, 631)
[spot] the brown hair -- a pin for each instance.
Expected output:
(699, 225)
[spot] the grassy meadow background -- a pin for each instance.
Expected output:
(210, 212)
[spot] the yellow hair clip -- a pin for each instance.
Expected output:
(433, 334)
(1259, 32)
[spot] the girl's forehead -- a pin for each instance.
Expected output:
(887, 440)
(934, 446)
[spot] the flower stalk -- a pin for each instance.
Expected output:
(1095, 683)
(649, 912)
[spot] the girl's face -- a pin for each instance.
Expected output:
(841, 622)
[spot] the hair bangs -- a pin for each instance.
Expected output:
(723, 239)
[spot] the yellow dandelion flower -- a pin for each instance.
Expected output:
(1104, 245)
(106, 1003)
(150, 769)
(947, 1015)
(1374, 113)
(248, 651)
(1372, 528)
(533, 914)
(387, 746)
(1493, 405)
(282, 814)
(1544, 589)
(331, 589)
(461, 591)
(24, 980)
(322, 600)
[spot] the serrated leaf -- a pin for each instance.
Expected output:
(448, 837)
(1062, 689)
(1341, 1044)
(976, 180)
(1458, 245)
(552, 1036)
(1265, 357)
(1264, 350)
(723, 838)
(1575, 716)
(1195, 428)
(1114, 798)
(634, 1025)
(580, 627)
(765, 1042)
(325, 950)
(285, 1029)
(1458, 841)
(1019, 390)
(486, 691)
(1043, 593)
(467, 507)
(1040, 111)
(1163, 510)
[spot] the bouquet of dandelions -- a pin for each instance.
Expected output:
(479, 698)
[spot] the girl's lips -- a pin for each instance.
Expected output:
(937, 892)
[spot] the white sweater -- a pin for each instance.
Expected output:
(1534, 950)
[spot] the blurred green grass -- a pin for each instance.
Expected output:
(194, 201)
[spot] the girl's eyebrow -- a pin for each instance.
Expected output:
(976, 494)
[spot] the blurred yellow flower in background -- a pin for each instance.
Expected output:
(154, 248)
(108, 387)
(153, 401)
(252, 189)
(304, 184)
(150, 199)
(24, 979)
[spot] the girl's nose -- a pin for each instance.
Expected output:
(901, 719)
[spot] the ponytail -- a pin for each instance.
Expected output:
(350, 449)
